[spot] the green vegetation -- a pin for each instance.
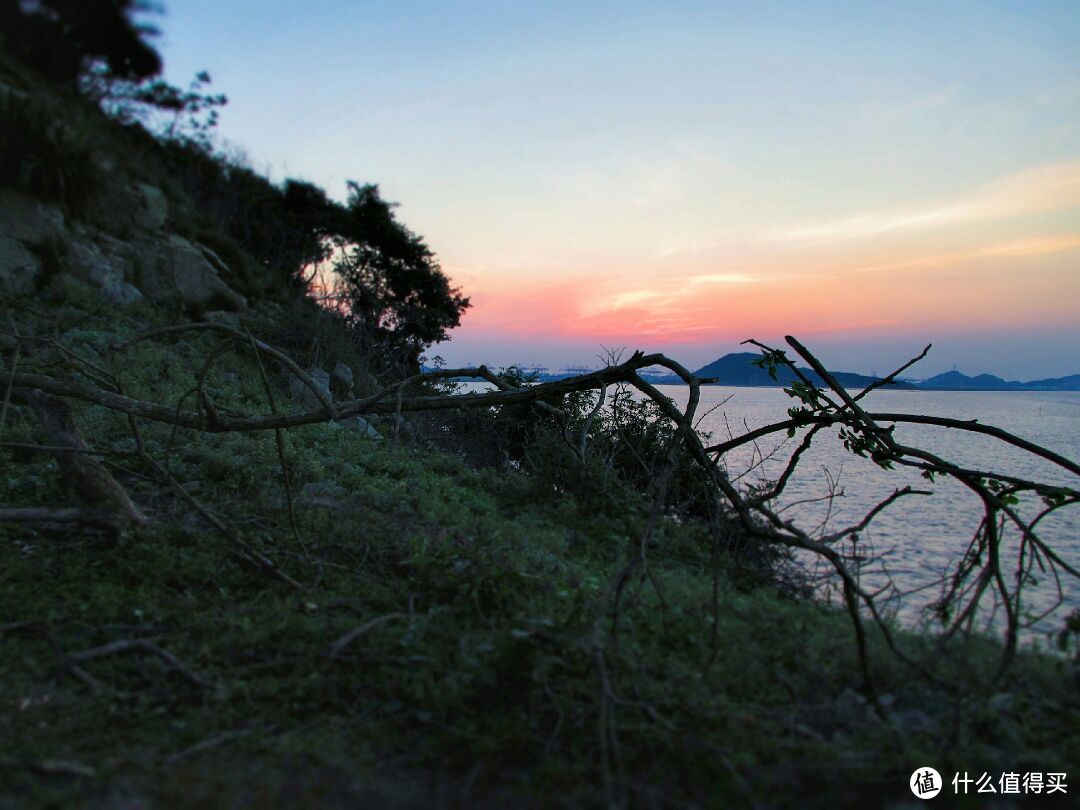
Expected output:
(462, 624)
(486, 665)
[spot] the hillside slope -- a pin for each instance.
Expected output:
(449, 638)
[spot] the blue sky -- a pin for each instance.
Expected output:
(680, 176)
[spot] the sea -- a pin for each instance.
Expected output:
(915, 544)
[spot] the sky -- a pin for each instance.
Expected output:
(682, 176)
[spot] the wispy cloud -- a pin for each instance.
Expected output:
(1047, 188)
(677, 291)
(844, 326)
(668, 251)
(1035, 246)
(725, 278)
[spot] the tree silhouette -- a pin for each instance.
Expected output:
(392, 285)
(61, 38)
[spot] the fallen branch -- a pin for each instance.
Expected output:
(207, 745)
(375, 404)
(48, 767)
(138, 645)
(93, 483)
(339, 646)
(59, 515)
(280, 356)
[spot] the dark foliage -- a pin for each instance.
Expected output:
(45, 155)
(189, 116)
(379, 276)
(393, 288)
(389, 286)
(58, 38)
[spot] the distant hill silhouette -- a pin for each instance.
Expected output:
(955, 381)
(738, 369)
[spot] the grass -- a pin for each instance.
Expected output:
(487, 670)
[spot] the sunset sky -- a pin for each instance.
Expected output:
(680, 176)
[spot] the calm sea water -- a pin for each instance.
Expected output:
(918, 539)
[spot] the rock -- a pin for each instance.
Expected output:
(215, 261)
(850, 701)
(19, 268)
(341, 380)
(852, 708)
(104, 261)
(807, 731)
(25, 219)
(360, 425)
(153, 207)
(99, 263)
(176, 269)
(301, 392)
(120, 292)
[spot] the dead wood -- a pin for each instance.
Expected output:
(91, 481)
(138, 645)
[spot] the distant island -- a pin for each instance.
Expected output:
(955, 381)
(738, 370)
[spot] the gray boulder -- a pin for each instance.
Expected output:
(301, 392)
(359, 425)
(152, 207)
(176, 269)
(341, 380)
(27, 220)
(19, 268)
(120, 292)
(103, 262)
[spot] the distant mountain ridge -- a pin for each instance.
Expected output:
(956, 381)
(738, 369)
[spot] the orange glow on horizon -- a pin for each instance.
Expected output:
(997, 256)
